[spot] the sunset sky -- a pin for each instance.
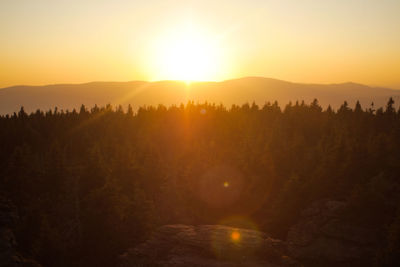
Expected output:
(312, 41)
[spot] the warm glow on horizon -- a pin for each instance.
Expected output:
(76, 41)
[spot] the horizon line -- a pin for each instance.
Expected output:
(189, 82)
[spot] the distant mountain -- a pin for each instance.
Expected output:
(140, 93)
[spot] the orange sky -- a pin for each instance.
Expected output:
(331, 41)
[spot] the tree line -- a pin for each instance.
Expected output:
(91, 183)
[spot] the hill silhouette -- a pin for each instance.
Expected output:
(236, 91)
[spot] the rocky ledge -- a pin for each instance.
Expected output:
(319, 238)
(207, 245)
(9, 257)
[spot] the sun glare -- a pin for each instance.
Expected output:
(187, 54)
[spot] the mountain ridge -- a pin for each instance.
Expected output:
(169, 92)
(179, 81)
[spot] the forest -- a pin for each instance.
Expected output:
(90, 183)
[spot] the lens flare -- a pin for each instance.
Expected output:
(235, 236)
(220, 186)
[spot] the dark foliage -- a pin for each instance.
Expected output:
(90, 184)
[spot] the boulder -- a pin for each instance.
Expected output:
(207, 245)
(321, 236)
(9, 257)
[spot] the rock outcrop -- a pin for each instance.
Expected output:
(9, 257)
(321, 237)
(207, 245)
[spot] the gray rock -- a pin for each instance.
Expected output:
(320, 236)
(9, 257)
(207, 245)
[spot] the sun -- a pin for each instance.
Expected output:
(187, 54)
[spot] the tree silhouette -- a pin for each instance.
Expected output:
(90, 184)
